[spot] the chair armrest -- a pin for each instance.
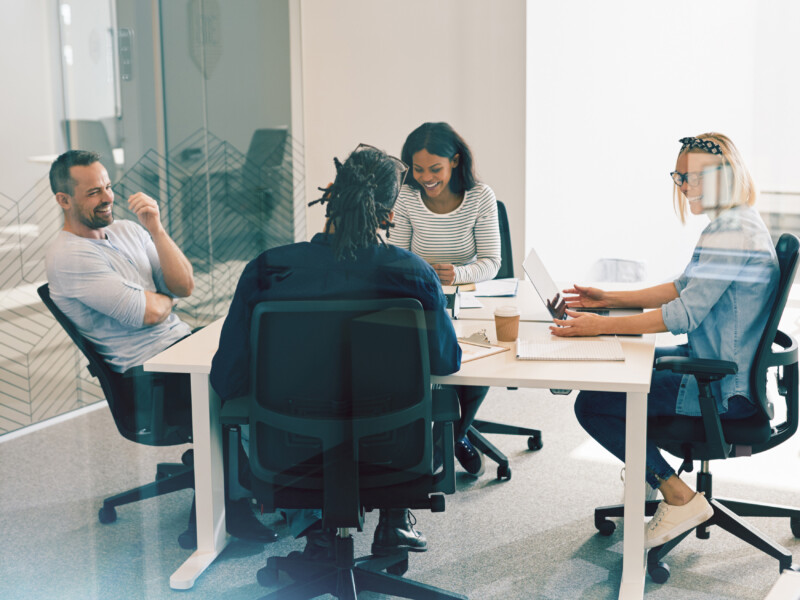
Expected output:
(235, 411)
(445, 405)
(702, 368)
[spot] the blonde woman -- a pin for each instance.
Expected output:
(721, 301)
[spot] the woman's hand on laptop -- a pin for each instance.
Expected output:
(586, 297)
(581, 324)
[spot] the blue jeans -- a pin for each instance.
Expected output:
(602, 415)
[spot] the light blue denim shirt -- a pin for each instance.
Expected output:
(725, 297)
(100, 285)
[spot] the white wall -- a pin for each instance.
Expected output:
(611, 87)
(373, 70)
(777, 96)
(28, 126)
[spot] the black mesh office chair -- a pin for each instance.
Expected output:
(143, 425)
(709, 438)
(479, 427)
(341, 412)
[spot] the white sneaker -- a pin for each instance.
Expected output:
(671, 521)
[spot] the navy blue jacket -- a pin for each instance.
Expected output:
(310, 271)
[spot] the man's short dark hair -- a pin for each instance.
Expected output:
(60, 180)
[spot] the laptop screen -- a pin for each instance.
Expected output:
(544, 285)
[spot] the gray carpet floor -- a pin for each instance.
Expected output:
(528, 538)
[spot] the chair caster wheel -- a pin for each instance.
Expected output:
(659, 573)
(188, 539)
(535, 442)
(107, 515)
(267, 576)
(398, 568)
(606, 527)
(503, 472)
(795, 523)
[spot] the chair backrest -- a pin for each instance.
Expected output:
(785, 355)
(506, 260)
(340, 399)
(84, 134)
(120, 400)
(266, 147)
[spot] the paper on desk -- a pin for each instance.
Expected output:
(497, 287)
(468, 300)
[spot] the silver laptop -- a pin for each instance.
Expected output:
(551, 296)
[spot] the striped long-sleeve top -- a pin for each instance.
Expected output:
(468, 237)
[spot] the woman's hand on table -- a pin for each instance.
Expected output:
(446, 273)
(582, 324)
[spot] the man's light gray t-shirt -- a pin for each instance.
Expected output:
(100, 285)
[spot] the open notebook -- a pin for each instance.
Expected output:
(550, 347)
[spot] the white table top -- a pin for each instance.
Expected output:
(194, 355)
(191, 355)
(527, 300)
(631, 375)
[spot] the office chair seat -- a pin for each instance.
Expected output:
(356, 436)
(665, 430)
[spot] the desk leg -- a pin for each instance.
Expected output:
(633, 555)
(209, 484)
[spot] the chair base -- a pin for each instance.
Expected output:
(728, 515)
(170, 477)
(478, 440)
(346, 576)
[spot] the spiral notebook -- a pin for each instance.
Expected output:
(550, 347)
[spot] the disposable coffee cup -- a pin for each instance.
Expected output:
(506, 322)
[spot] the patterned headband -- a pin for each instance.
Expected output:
(704, 145)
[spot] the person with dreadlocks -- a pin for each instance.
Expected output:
(721, 301)
(348, 260)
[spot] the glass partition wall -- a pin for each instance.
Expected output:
(189, 101)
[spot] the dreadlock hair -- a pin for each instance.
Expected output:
(360, 200)
(440, 139)
(60, 179)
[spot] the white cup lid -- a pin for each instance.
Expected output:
(506, 311)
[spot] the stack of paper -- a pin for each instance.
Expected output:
(497, 287)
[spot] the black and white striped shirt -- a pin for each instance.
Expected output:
(468, 237)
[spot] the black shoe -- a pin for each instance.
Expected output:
(470, 458)
(395, 531)
(319, 545)
(240, 522)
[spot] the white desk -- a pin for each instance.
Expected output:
(194, 354)
(530, 305)
(631, 376)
